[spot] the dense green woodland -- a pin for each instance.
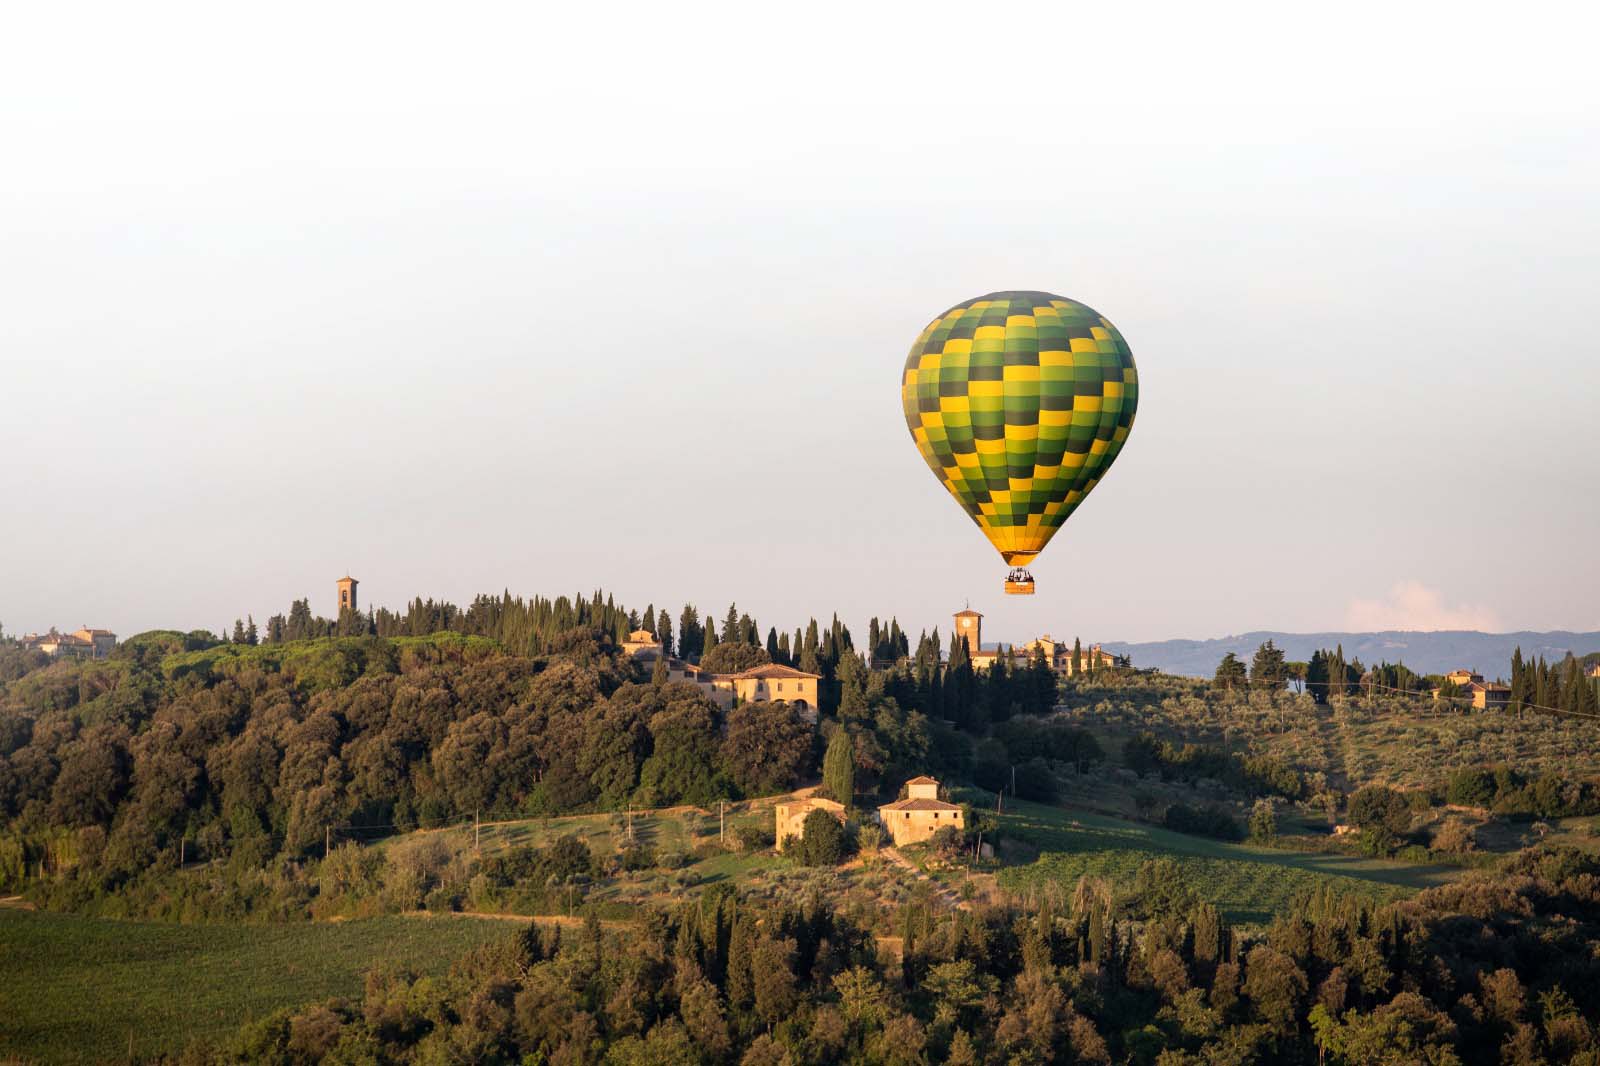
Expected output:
(180, 748)
(1500, 969)
(256, 763)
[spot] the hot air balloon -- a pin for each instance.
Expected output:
(1019, 402)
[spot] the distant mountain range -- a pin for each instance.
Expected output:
(1426, 653)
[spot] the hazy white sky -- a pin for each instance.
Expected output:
(467, 297)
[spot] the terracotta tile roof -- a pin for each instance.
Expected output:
(812, 803)
(968, 613)
(923, 779)
(920, 805)
(768, 671)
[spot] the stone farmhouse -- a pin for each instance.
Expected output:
(920, 815)
(791, 817)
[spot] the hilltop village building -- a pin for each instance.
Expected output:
(80, 644)
(1485, 695)
(1058, 654)
(791, 817)
(642, 645)
(769, 682)
(920, 815)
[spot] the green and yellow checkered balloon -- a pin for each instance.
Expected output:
(1020, 402)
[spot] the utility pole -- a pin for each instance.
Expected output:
(1013, 780)
(476, 831)
(722, 822)
(182, 850)
(630, 823)
(327, 838)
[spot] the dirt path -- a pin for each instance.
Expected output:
(940, 893)
(16, 903)
(565, 921)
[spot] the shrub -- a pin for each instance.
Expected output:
(1380, 808)
(1263, 822)
(637, 857)
(1203, 821)
(753, 837)
(822, 840)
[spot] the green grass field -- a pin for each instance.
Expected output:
(1249, 884)
(75, 988)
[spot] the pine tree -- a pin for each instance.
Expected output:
(1267, 669)
(1230, 673)
(238, 631)
(730, 631)
(250, 636)
(1317, 676)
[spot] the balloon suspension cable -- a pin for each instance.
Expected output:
(1019, 582)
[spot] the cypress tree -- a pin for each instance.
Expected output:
(664, 632)
(1077, 657)
(839, 767)
(250, 636)
(1519, 681)
(773, 652)
(710, 640)
(691, 637)
(740, 986)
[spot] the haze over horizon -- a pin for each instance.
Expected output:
(552, 301)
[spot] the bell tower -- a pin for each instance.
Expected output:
(969, 624)
(347, 593)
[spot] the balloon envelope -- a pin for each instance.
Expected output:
(1020, 402)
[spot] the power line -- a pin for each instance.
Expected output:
(1412, 693)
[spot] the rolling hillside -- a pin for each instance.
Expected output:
(1432, 652)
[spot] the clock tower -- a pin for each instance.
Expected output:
(969, 625)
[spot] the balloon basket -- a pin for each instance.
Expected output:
(1019, 583)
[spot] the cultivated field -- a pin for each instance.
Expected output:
(1249, 884)
(1353, 742)
(75, 989)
